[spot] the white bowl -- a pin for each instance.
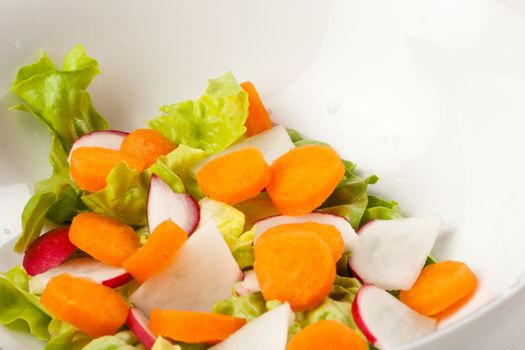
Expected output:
(429, 95)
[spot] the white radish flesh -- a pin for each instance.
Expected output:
(348, 234)
(110, 139)
(83, 267)
(271, 143)
(164, 204)
(391, 253)
(201, 273)
(248, 285)
(386, 321)
(269, 331)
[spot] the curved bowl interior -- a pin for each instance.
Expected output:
(426, 94)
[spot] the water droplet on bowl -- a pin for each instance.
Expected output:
(17, 44)
(7, 231)
(333, 106)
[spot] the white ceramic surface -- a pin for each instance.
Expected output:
(429, 95)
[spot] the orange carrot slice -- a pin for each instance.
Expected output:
(192, 326)
(328, 233)
(258, 118)
(440, 286)
(162, 244)
(303, 178)
(94, 309)
(104, 238)
(327, 335)
(235, 176)
(295, 266)
(89, 166)
(147, 144)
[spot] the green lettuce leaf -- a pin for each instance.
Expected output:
(124, 197)
(124, 340)
(212, 122)
(175, 169)
(230, 222)
(164, 344)
(342, 265)
(344, 289)
(247, 306)
(56, 199)
(59, 100)
(380, 209)
(256, 208)
(294, 135)
(337, 307)
(20, 309)
(33, 218)
(350, 198)
(65, 336)
(242, 249)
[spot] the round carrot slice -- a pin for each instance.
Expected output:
(192, 326)
(162, 244)
(94, 309)
(327, 335)
(235, 176)
(89, 166)
(294, 265)
(440, 286)
(147, 144)
(258, 118)
(104, 238)
(303, 178)
(328, 233)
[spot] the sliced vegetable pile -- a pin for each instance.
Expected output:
(213, 228)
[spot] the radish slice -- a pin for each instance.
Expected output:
(83, 267)
(391, 253)
(248, 285)
(164, 204)
(347, 231)
(48, 251)
(111, 139)
(201, 273)
(272, 143)
(137, 322)
(269, 331)
(387, 322)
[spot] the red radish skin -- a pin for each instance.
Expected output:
(137, 322)
(364, 226)
(360, 323)
(117, 281)
(164, 204)
(353, 273)
(111, 139)
(48, 251)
